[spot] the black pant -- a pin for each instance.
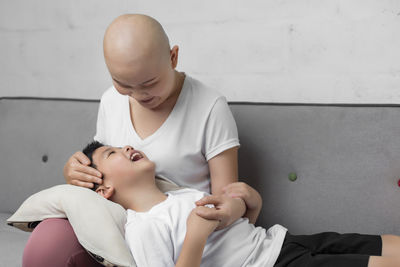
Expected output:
(328, 249)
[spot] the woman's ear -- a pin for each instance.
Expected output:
(105, 191)
(174, 56)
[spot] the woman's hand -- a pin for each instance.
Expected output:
(250, 196)
(77, 172)
(244, 191)
(227, 209)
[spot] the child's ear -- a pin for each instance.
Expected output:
(105, 191)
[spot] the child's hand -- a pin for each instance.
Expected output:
(198, 226)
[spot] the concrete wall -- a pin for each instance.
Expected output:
(317, 51)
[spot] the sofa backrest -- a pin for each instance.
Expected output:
(346, 159)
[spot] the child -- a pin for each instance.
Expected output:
(166, 230)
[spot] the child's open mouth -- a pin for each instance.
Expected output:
(135, 156)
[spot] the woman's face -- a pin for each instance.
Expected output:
(150, 82)
(150, 92)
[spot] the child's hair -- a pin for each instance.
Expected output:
(88, 151)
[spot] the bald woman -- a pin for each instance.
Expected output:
(181, 124)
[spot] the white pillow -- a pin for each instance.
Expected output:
(98, 223)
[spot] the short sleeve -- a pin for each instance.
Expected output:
(100, 124)
(150, 243)
(221, 131)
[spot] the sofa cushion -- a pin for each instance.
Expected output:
(97, 222)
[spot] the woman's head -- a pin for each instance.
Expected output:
(122, 167)
(139, 58)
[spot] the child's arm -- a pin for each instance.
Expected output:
(198, 230)
(250, 196)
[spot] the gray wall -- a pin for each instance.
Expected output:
(336, 51)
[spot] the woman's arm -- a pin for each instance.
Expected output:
(221, 151)
(223, 169)
(224, 172)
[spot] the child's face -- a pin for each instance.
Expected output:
(122, 167)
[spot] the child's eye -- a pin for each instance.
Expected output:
(111, 153)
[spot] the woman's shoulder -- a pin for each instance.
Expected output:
(202, 93)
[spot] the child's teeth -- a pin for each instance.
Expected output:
(135, 155)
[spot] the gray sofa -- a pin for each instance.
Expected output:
(346, 158)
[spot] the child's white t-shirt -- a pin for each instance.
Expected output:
(155, 237)
(199, 127)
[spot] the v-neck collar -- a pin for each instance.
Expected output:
(164, 124)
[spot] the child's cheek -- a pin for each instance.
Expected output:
(119, 162)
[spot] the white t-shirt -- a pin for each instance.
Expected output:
(155, 237)
(199, 127)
